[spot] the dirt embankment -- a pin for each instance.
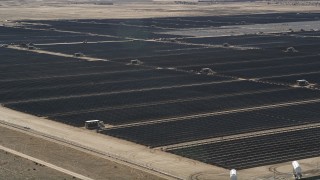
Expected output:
(59, 155)
(15, 167)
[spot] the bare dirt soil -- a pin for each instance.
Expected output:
(59, 155)
(17, 10)
(15, 167)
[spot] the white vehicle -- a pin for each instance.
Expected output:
(296, 170)
(94, 124)
(302, 82)
(233, 174)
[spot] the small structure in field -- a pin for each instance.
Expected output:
(226, 45)
(78, 54)
(207, 71)
(302, 82)
(291, 50)
(31, 47)
(135, 62)
(233, 174)
(297, 172)
(23, 45)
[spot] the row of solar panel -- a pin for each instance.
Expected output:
(257, 151)
(191, 129)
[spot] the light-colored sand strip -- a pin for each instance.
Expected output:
(45, 163)
(72, 43)
(58, 54)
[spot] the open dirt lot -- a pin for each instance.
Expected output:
(15, 167)
(59, 155)
(58, 10)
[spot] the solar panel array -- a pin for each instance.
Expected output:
(212, 126)
(257, 151)
(166, 102)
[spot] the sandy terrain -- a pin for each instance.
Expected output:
(15, 167)
(137, 10)
(59, 155)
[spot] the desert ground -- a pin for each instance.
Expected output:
(61, 10)
(61, 155)
(15, 167)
